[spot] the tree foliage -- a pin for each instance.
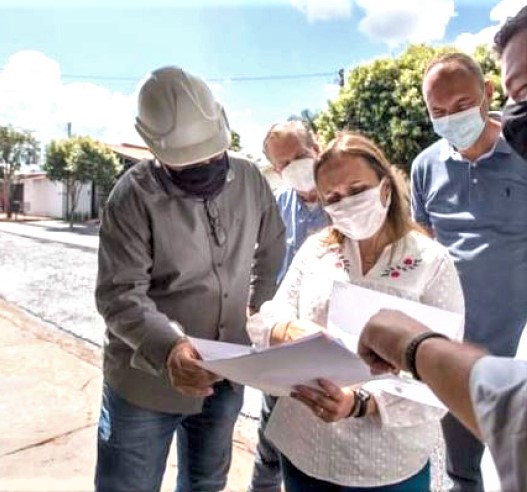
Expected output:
(80, 160)
(383, 101)
(17, 147)
(235, 141)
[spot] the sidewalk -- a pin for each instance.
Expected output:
(82, 235)
(50, 384)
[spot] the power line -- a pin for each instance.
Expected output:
(241, 78)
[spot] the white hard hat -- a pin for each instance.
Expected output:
(179, 119)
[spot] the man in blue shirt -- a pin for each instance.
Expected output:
(470, 190)
(291, 149)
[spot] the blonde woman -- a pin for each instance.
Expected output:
(355, 438)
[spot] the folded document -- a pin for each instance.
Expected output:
(330, 354)
(277, 369)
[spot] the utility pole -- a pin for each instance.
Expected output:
(341, 77)
(68, 129)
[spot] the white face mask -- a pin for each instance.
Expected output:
(299, 174)
(359, 216)
(461, 129)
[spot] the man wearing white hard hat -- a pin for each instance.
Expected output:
(187, 241)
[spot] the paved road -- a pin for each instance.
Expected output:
(54, 281)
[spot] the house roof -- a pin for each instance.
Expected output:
(32, 175)
(132, 152)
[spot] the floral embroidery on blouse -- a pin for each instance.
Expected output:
(406, 264)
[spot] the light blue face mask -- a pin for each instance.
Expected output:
(462, 129)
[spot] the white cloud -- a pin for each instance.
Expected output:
(33, 96)
(468, 42)
(251, 132)
(401, 21)
(331, 91)
(323, 10)
(500, 12)
(504, 9)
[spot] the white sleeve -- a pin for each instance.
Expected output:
(284, 305)
(498, 390)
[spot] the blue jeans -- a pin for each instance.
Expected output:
(133, 444)
(297, 481)
(267, 476)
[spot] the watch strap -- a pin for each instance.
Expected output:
(360, 407)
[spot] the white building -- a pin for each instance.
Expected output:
(42, 197)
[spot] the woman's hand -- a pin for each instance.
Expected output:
(330, 403)
(293, 330)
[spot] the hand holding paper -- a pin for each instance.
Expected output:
(185, 373)
(383, 341)
(331, 354)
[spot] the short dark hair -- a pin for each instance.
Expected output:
(461, 59)
(512, 26)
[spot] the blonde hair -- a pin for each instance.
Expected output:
(356, 145)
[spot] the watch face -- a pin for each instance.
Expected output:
(363, 394)
(362, 397)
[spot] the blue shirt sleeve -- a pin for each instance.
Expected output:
(418, 198)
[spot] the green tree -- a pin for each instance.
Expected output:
(491, 69)
(16, 148)
(79, 160)
(383, 101)
(235, 141)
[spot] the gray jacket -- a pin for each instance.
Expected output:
(162, 275)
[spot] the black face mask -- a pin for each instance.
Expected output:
(514, 125)
(202, 180)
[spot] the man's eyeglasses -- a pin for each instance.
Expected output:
(216, 227)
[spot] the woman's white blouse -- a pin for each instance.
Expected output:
(370, 451)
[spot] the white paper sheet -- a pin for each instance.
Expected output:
(332, 356)
(277, 369)
(350, 308)
(409, 389)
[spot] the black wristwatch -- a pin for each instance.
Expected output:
(360, 405)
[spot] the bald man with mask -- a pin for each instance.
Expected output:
(470, 190)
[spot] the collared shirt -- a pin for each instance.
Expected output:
(301, 220)
(498, 388)
(369, 451)
(163, 274)
(478, 210)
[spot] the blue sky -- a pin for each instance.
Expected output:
(81, 61)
